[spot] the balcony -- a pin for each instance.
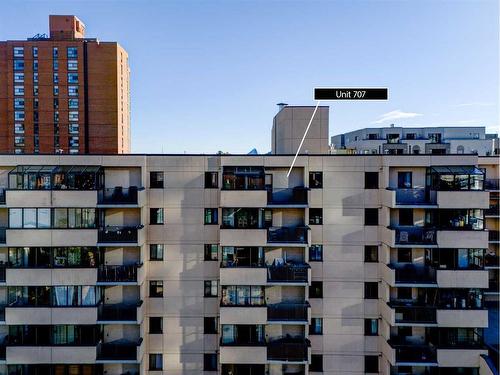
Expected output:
(492, 184)
(491, 261)
(118, 196)
(288, 235)
(119, 234)
(413, 235)
(246, 355)
(414, 314)
(296, 196)
(408, 275)
(492, 211)
(288, 349)
(411, 197)
(288, 312)
(289, 273)
(493, 236)
(120, 312)
(3, 235)
(118, 351)
(418, 354)
(120, 274)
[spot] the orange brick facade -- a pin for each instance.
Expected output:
(64, 94)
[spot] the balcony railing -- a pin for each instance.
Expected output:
(412, 235)
(287, 234)
(3, 235)
(415, 314)
(492, 184)
(297, 312)
(116, 351)
(118, 234)
(494, 210)
(414, 274)
(493, 235)
(118, 312)
(118, 195)
(415, 353)
(288, 273)
(120, 273)
(288, 349)
(297, 195)
(416, 196)
(491, 260)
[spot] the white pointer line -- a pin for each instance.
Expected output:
(303, 138)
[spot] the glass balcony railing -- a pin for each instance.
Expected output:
(410, 273)
(412, 235)
(288, 273)
(415, 353)
(415, 314)
(414, 196)
(493, 235)
(119, 273)
(287, 234)
(118, 196)
(118, 312)
(288, 349)
(288, 312)
(492, 184)
(297, 195)
(118, 350)
(118, 234)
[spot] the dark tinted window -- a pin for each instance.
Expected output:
(371, 180)
(371, 216)
(316, 289)
(211, 180)
(371, 290)
(155, 324)
(315, 216)
(156, 180)
(371, 253)
(315, 180)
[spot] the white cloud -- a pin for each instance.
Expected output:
(475, 104)
(396, 115)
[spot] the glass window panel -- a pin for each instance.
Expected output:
(16, 218)
(43, 217)
(60, 218)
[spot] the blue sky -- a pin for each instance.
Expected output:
(206, 76)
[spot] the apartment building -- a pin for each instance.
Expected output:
(420, 140)
(220, 264)
(64, 93)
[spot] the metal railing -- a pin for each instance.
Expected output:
(296, 195)
(412, 235)
(288, 311)
(118, 312)
(118, 195)
(118, 234)
(288, 349)
(288, 273)
(117, 350)
(415, 353)
(120, 273)
(287, 234)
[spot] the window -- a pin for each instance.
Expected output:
(210, 325)
(19, 141)
(211, 216)
(55, 78)
(371, 216)
(18, 90)
(72, 77)
(211, 180)
(18, 51)
(316, 289)
(156, 289)
(35, 77)
(242, 295)
(72, 65)
(155, 362)
(371, 290)
(404, 293)
(73, 128)
(35, 65)
(211, 288)
(73, 90)
(371, 180)
(35, 51)
(156, 252)
(55, 65)
(411, 136)
(316, 327)
(19, 115)
(211, 251)
(156, 216)
(73, 103)
(210, 362)
(371, 327)
(315, 180)
(19, 77)
(316, 363)
(18, 128)
(18, 65)
(155, 324)
(404, 180)
(18, 103)
(56, 103)
(316, 253)
(72, 52)
(315, 216)
(55, 52)
(371, 363)
(405, 216)
(371, 254)
(156, 180)
(404, 255)
(73, 116)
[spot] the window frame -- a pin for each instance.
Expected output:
(211, 180)
(369, 184)
(316, 253)
(369, 217)
(154, 250)
(155, 183)
(156, 288)
(368, 249)
(158, 214)
(318, 177)
(158, 326)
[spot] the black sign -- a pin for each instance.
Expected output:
(331, 93)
